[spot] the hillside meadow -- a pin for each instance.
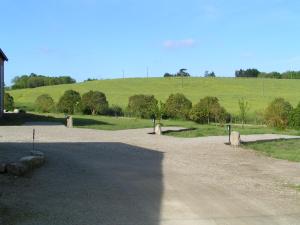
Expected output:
(258, 92)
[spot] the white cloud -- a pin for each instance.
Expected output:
(185, 43)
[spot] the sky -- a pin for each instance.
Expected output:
(102, 38)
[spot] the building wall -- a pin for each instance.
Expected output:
(1, 86)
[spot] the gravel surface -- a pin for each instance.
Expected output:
(130, 177)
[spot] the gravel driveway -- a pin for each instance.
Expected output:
(132, 178)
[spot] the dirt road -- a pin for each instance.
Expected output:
(133, 178)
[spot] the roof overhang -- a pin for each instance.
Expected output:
(2, 55)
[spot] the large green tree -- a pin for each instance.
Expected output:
(142, 106)
(69, 102)
(44, 103)
(278, 112)
(208, 110)
(94, 102)
(177, 106)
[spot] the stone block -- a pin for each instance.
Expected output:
(235, 138)
(158, 129)
(69, 122)
(33, 161)
(17, 169)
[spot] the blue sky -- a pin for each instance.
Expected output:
(100, 38)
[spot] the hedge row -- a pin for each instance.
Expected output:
(90, 103)
(279, 112)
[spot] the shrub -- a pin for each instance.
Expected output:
(69, 102)
(115, 110)
(9, 103)
(244, 108)
(44, 103)
(94, 102)
(277, 113)
(209, 110)
(294, 120)
(142, 106)
(177, 106)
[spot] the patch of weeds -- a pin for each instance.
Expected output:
(296, 187)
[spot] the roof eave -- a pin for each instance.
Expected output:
(3, 55)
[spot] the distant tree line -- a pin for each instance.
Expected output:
(184, 73)
(180, 73)
(33, 80)
(254, 73)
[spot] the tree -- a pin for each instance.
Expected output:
(8, 102)
(33, 80)
(69, 102)
(94, 102)
(277, 113)
(294, 119)
(291, 75)
(209, 74)
(183, 73)
(244, 108)
(44, 103)
(207, 110)
(247, 73)
(142, 106)
(177, 106)
(168, 75)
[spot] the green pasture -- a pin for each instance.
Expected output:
(280, 149)
(258, 92)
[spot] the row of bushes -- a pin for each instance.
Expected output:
(90, 103)
(177, 106)
(279, 112)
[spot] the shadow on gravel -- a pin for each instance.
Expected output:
(84, 183)
(14, 119)
(178, 131)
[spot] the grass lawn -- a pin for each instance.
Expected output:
(217, 130)
(258, 92)
(121, 123)
(280, 149)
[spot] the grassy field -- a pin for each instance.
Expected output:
(216, 130)
(259, 92)
(280, 149)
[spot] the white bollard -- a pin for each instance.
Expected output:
(69, 122)
(235, 138)
(158, 129)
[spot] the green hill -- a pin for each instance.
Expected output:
(259, 92)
